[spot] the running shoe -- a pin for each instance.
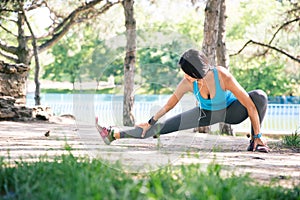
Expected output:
(105, 133)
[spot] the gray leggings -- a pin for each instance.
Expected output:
(235, 113)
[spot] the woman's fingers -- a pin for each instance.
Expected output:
(145, 127)
(259, 141)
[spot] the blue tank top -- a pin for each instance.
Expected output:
(221, 100)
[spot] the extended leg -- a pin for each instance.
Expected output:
(185, 120)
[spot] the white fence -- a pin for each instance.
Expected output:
(280, 118)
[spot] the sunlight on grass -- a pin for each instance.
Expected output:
(70, 177)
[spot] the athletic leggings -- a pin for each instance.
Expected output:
(235, 113)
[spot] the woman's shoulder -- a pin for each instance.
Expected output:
(222, 69)
(223, 72)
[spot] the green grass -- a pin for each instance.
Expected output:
(69, 177)
(292, 141)
(59, 91)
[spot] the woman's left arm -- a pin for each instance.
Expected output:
(230, 83)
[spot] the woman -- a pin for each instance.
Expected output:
(220, 99)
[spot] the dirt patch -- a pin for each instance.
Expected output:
(30, 140)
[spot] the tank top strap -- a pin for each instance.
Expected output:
(195, 88)
(217, 80)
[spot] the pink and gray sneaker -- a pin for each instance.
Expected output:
(105, 133)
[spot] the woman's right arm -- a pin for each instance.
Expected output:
(182, 88)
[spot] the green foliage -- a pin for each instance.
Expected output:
(78, 61)
(69, 59)
(106, 61)
(164, 33)
(292, 141)
(190, 28)
(269, 77)
(247, 21)
(69, 177)
(249, 15)
(58, 91)
(159, 68)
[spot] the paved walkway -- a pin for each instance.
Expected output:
(27, 140)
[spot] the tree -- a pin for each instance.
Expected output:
(268, 39)
(36, 58)
(211, 28)
(214, 45)
(129, 63)
(17, 48)
(222, 58)
(68, 61)
(291, 19)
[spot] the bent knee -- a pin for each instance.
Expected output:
(259, 95)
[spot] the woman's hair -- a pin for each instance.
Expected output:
(194, 63)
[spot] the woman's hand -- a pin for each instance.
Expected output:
(145, 127)
(259, 141)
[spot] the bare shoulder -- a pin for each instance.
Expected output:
(228, 80)
(224, 73)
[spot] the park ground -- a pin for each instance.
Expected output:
(33, 139)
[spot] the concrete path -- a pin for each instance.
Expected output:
(27, 140)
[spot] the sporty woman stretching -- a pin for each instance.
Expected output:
(220, 99)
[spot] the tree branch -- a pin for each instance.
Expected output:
(95, 12)
(269, 44)
(7, 48)
(282, 26)
(69, 21)
(36, 4)
(270, 47)
(6, 10)
(6, 30)
(14, 60)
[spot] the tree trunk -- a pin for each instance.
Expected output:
(222, 58)
(211, 25)
(37, 97)
(209, 44)
(129, 63)
(23, 53)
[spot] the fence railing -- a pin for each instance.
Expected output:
(280, 118)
